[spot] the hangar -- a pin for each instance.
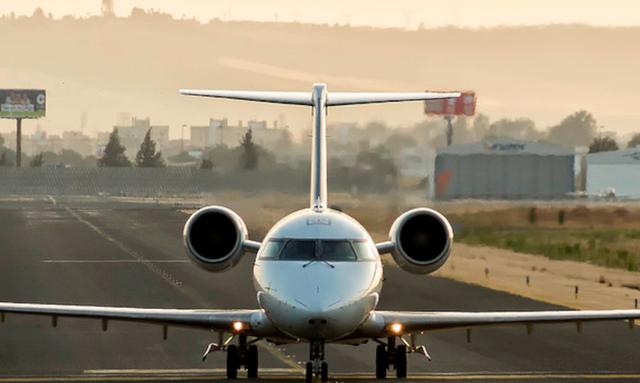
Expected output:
(617, 171)
(504, 169)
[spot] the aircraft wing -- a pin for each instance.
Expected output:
(208, 319)
(412, 321)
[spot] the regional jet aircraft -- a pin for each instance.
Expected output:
(317, 272)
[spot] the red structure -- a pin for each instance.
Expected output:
(465, 105)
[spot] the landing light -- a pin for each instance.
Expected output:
(238, 326)
(396, 328)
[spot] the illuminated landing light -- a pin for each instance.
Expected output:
(238, 326)
(396, 328)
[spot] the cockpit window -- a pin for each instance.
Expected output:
(326, 250)
(363, 251)
(337, 251)
(271, 250)
(299, 250)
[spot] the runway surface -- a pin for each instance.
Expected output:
(102, 253)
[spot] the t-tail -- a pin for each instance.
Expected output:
(319, 99)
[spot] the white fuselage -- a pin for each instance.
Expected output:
(326, 295)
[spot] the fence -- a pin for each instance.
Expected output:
(142, 181)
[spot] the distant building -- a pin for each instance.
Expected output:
(219, 132)
(78, 142)
(504, 169)
(617, 170)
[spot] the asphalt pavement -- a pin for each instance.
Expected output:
(89, 251)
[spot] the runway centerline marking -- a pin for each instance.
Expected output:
(127, 250)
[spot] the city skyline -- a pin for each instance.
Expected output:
(400, 14)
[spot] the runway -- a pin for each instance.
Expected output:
(130, 254)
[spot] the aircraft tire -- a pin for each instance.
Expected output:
(401, 361)
(308, 376)
(233, 359)
(324, 372)
(252, 362)
(382, 361)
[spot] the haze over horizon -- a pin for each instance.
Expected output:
(542, 73)
(400, 14)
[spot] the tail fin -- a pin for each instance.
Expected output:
(319, 99)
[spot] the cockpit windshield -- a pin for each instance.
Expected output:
(308, 250)
(296, 250)
(336, 251)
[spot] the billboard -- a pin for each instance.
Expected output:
(22, 103)
(465, 105)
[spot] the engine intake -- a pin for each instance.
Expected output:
(214, 237)
(421, 240)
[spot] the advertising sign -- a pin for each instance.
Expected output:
(465, 105)
(22, 103)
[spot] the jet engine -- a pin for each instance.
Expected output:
(214, 238)
(421, 240)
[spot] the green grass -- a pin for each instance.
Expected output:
(617, 248)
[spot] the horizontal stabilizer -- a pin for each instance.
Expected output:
(305, 98)
(293, 98)
(340, 98)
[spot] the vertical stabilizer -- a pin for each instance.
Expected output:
(319, 99)
(318, 199)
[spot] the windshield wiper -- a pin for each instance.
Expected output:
(317, 259)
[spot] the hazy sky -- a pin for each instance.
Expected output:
(396, 13)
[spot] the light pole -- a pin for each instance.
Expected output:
(182, 138)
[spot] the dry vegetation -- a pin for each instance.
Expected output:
(606, 235)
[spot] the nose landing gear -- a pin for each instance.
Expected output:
(316, 366)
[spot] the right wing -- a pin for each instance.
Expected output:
(254, 321)
(416, 321)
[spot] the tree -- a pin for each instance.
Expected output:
(578, 129)
(603, 144)
(634, 141)
(36, 161)
(206, 164)
(3, 159)
(1, 140)
(249, 157)
(520, 129)
(147, 156)
(113, 155)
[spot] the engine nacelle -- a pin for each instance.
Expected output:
(421, 240)
(214, 238)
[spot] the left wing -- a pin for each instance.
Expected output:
(412, 321)
(253, 321)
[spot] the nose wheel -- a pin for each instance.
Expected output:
(316, 366)
(391, 355)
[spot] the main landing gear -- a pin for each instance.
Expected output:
(316, 366)
(391, 355)
(245, 354)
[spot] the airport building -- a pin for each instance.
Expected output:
(504, 169)
(617, 171)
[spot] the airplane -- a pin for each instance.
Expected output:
(317, 272)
